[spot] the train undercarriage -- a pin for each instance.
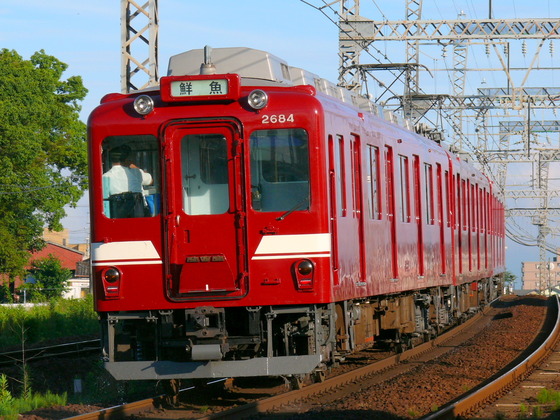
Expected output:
(290, 341)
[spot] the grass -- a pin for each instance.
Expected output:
(548, 396)
(57, 319)
(24, 327)
(11, 407)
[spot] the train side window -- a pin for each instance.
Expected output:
(429, 193)
(280, 170)
(404, 186)
(131, 184)
(374, 196)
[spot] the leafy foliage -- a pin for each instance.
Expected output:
(51, 276)
(5, 295)
(59, 318)
(42, 152)
(509, 277)
(11, 407)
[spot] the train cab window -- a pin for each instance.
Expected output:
(205, 174)
(279, 170)
(130, 177)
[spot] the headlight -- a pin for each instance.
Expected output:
(144, 104)
(305, 267)
(303, 273)
(257, 99)
(112, 275)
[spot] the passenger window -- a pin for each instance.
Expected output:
(404, 186)
(131, 177)
(374, 201)
(429, 193)
(279, 170)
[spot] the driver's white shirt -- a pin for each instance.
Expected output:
(121, 179)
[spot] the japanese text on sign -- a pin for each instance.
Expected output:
(183, 88)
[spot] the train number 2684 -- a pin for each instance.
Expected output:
(277, 119)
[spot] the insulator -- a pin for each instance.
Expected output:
(506, 49)
(487, 49)
(524, 48)
(551, 48)
(444, 52)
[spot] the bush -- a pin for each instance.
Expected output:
(5, 295)
(57, 319)
(11, 407)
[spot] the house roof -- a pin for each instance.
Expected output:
(68, 257)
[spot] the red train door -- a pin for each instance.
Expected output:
(334, 211)
(205, 217)
(417, 194)
(357, 192)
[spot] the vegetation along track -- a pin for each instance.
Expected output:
(58, 350)
(407, 385)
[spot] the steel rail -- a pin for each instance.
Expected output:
(120, 411)
(291, 397)
(276, 401)
(470, 402)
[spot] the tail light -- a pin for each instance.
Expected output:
(303, 273)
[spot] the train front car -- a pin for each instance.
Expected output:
(210, 243)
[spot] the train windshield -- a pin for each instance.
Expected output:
(280, 170)
(130, 177)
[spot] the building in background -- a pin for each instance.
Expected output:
(74, 257)
(543, 280)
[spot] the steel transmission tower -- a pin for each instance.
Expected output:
(349, 52)
(502, 127)
(139, 44)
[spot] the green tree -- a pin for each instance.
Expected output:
(51, 276)
(5, 295)
(509, 281)
(42, 152)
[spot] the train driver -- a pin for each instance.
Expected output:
(122, 186)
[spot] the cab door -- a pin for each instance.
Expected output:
(205, 215)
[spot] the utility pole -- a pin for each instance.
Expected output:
(139, 45)
(349, 52)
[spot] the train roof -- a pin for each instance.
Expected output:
(258, 67)
(261, 68)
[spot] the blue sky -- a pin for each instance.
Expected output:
(86, 36)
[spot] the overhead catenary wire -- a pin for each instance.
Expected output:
(22, 189)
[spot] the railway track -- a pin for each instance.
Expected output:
(287, 398)
(342, 386)
(58, 350)
(525, 376)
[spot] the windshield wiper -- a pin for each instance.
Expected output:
(296, 207)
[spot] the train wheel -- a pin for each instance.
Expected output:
(172, 388)
(296, 382)
(319, 376)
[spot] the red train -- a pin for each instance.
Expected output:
(249, 218)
